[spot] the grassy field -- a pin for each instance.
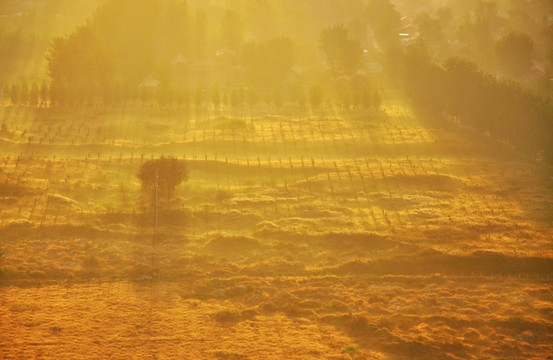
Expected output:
(364, 235)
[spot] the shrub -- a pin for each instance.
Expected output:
(227, 316)
(350, 350)
(222, 195)
(90, 263)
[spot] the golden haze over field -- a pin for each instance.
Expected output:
(276, 179)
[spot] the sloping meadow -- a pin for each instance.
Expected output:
(375, 239)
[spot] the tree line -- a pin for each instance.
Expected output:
(349, 96)
(458, 89)
(130, 44)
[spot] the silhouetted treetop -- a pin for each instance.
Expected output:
(514, 52)
(342, 52)
(166, 172)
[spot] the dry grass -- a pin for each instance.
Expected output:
(366, 237)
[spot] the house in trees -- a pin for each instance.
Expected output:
(150, 83)
(148, 88)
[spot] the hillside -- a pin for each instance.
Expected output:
(369, 234)
(359, 196)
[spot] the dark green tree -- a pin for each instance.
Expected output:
(343, 53)
(200, 40)
(315, 95)
(34, 95)
(24, 94)
(165, 172)
(385, 21)
(430, 28)
(268, 62)
(166, 95)
(216, 97)
(331, 40)
(277, 99)
(421, 79)
(199, 98)
(252, 98)
(44, 91)
(15, 94)
(232, 30)
(514, 52)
